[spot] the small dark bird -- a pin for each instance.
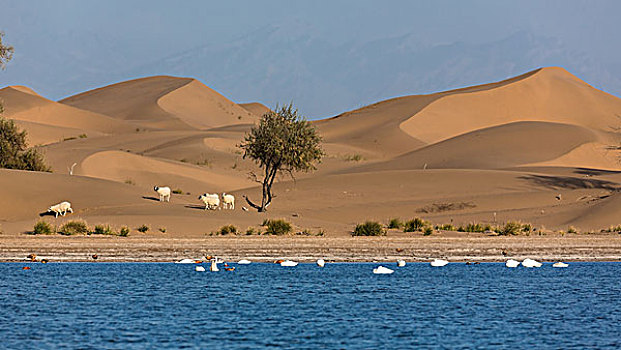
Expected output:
(399, 250)
(95, 256)
(43, 261)
(504, 252)
(32, 257)
(559, 197)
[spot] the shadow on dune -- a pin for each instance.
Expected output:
(595, 172)
(192, 206)
(566, 182)
(151, 198)
(46, 213)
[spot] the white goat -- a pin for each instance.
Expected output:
(61, 208)
(228, 201)
(212, 201)
(164, 193)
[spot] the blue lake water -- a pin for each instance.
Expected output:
(342, 306)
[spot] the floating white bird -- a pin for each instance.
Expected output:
(438, 263)
(512, 263)
(321, 263)
(214, 266)
(188, 261)
(243, 262)
(400, 263)
(560, 264)
(381, 270)
(531, 263)
(289, 263)
(200, 269)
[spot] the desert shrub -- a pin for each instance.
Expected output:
(416, 224)
(73, 228)
(446, 227)
(321, 233)
(571, 229)
(82, 136)
(427, 231)
(395, 223)
(250, 231)
(527, 228)
(472, 227)
(613, 229)
(43, 228)
(304, 232)
(228, 229)
(354, 157)
(162, 229)
(277, 227)
(14, 153)
(130, 182)
(177, 191)
(124, 231)
(510, 228)
(143, 228)
(369, 228)
(103, 230)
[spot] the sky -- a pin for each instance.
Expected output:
(325, 56)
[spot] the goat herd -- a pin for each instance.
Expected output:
(212, 201)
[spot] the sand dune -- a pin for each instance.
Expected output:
(163, 102)
(255, 108)
(126, 167)
(504, 146)
(549, 94)
(24, 105)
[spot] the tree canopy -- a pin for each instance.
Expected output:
(283, 141)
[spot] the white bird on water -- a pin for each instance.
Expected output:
(531, 263)
(381, 270)
(243, 262)
(214, 265)
(289, 263)
(321, 263)
(200, 269)
(512, 263)
(438, 263)
(560, 264)
(401, 263)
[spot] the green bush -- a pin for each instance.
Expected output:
(472, 227)
(162, 229)
(612, 229)
(250, 231)
(103, 230)
(73, 228)
(228, 229)
(416, 224)
(510, 228)
(395, 223)
(369, 228)
(14, 153)
(571, 229)
(427, 231)
(277, 227)
(42, 228)
(446, 227)
(124, 231)
(177, 191)
(143, 228)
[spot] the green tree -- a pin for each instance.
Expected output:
(14, 153)
(6, 53)
(282, 142)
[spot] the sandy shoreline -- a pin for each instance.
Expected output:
(467, 247)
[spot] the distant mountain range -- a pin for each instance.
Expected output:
(280, 63)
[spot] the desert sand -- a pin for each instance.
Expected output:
(541, 148)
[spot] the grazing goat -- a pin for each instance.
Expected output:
(212, 201)
(61, 208)
(228, 201)
(164, 193)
